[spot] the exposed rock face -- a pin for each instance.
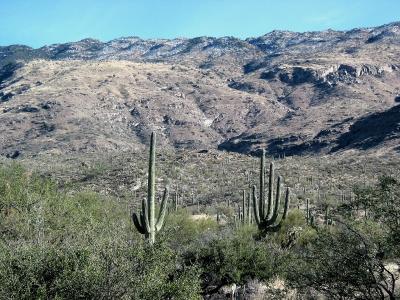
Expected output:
(297, 93)
(371, 130)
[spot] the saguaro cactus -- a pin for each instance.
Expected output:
(308, 211)
(146, 223)
(244, 211)
(266, 213)
(176, 201)
(328, 220)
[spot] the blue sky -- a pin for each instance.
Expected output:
(39, 22)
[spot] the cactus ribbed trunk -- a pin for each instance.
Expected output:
(249, 208)
(327, 215)
(244, 206)
(150, 188)
(262, 185)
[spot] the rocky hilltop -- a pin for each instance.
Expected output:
(286, 92)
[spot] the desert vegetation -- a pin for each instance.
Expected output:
(89, 232)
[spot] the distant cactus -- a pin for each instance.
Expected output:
(249, 214)
(328, 220)
(145, 223)
(308, 211)
(312, 220)
(176, 201)
(266, 214)
(244, 209)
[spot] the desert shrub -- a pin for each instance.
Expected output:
(21, 195)
(111, 272)
(350, 260)
(45, 272)
(235, 259)
(382, 203)
(181, 229)
(342, 264)
(294, 231)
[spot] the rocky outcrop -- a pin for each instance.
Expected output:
(8, 70)
(331, 75)
(371, 130)
(378, 129)
(248, 87)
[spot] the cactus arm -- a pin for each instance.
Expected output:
(137, 224)
(141, 222)
(278, 226)
(255, 206)
(275, 212)
(270, 190)
(144, 217)
(163, 210)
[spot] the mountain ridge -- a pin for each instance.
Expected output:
(390, 24)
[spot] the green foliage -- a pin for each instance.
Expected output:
(110, 271)
(36, 272)
(341, 264)
(235, 259)
(350, 259)
(383, 207)
(79, 246)
(294, 231)
(181, 229)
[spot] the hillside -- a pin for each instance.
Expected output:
(287, 92)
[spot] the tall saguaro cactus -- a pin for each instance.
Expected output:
(146, 223)
(266, 213)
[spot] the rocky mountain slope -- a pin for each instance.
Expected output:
(287, 92)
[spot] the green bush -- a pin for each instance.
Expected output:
(341, 264)
(35, 272)
(110, 272)
(235, 259)
(181, 230)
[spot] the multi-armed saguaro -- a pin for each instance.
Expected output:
(146, 223)
(266, 213)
